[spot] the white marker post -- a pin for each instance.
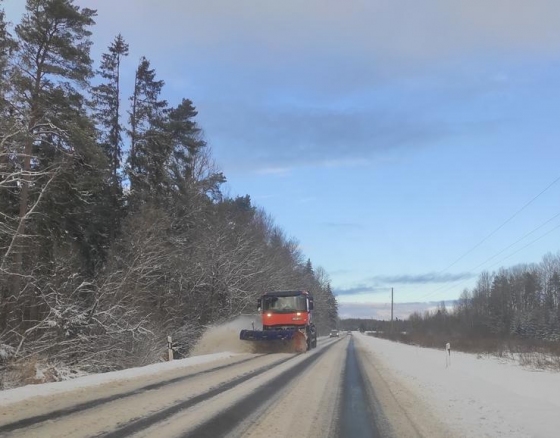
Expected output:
(170, 348)
(447, 355)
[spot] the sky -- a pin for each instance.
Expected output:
(391, 138)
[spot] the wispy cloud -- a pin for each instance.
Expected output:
(382, 311)
(352, 162)
(361, 289)
(279, 171)
(381, 283)
(340, 271)
(289, 112)
(319, 138)
(371, 29)
(431, 277)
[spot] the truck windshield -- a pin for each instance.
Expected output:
(284, 304)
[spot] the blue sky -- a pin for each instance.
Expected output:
(389, 137)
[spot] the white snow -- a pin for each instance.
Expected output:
(475, 396)
(30, 391)
(6, 351)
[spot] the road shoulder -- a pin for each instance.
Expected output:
(399, 410)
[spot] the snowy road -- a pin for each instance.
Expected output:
(334, 390)
(355, 386)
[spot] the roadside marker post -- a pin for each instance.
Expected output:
(169, 348)
(447, 355)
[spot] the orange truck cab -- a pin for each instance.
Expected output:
(286, 316)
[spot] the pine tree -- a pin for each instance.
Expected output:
(7, 46)
(150, 147)
(332, 305)
(7, 121)
(53, 64)
(107, 100)
(186, 142)
(553, 301)
(8, 184)
(106, 97)
(54, 46)
(309, 268)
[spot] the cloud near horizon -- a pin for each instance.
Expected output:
(382, 311)
(431, 277)
(381, 283)
(361, 289)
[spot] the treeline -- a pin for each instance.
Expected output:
(518, 302)
(361, 324)
(373, 325)
(114, 232)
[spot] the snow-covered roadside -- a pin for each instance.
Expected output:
(30, 391)
(475, 397)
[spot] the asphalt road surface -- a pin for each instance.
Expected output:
(335, 390)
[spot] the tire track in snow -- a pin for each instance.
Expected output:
(138, 425)
(356, 418)
(222, 424)
(60, 413)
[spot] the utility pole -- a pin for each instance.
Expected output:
(391, 310)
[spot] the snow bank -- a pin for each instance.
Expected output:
(30, 391)
(218, 342)
(475, 397)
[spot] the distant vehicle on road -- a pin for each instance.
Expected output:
(349, 332)
(334, 334)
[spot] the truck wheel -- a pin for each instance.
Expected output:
(310, 338)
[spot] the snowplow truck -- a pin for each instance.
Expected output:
(287, 321)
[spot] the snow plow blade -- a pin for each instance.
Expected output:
(267, 335)
(294, 341)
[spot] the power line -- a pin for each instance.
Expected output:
(522, 248)
(502, 225)
(500, 252)
(516, 242)
(505, 258)
(495, 231)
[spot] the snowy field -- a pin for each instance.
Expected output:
(474, 397)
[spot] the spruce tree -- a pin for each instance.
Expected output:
(8, 184)
(7, 46)
(150, 147)
(186, 141)
(106, 97)
(7, 121)
(107, 101)
(54, 48)
(189, 169)
(53, 65)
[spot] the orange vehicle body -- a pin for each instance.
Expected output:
(270, 319)
(286, 316)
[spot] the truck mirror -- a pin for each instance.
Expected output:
(310, 304)
(258, 305)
